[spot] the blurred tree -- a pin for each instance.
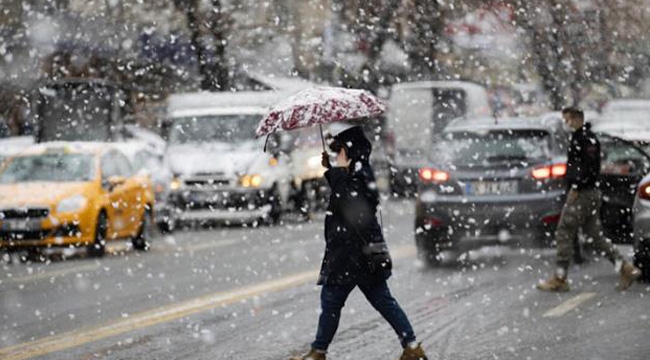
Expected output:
(575, 45)
(214, 70)
(425, 18)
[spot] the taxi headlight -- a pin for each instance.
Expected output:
(71, 204)
(254, 180)
(175, 184)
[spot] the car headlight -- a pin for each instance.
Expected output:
(175, 184)
(254, 180)
(71, 204)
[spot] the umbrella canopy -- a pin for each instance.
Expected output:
(319, 105)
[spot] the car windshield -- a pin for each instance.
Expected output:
(49, 168)
(213, 128)
(492, 148)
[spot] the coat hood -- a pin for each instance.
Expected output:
(358, 146)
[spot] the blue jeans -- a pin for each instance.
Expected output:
(333, 298)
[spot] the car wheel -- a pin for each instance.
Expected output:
(141, 240)
(166, 226)
(98, 247)
(427, 253)
(642, 259)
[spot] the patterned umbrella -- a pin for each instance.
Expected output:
(319, 105)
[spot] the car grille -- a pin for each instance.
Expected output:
(66, 230)
(207, 200)
(27, 213)
(207, 182)
(24, 235)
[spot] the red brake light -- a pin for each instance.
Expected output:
(558, 170)
(433, 175)
(554, 171)
(542, 173)
(644, 191)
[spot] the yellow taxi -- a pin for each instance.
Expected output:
(73, 194)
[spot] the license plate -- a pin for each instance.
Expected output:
(493, 188)
(202, 197)
(20, 225)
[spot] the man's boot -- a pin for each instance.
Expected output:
(629, 273)
(313, 354)
(413, 353)
(554, 284)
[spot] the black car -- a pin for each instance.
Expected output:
(623, 165)
(501, 182)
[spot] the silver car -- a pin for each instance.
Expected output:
(642, 228)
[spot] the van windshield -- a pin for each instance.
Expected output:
(417, 114)
(213, 128)
(492, 148)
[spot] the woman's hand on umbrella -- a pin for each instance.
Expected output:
(326, 160)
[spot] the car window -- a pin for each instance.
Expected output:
(621, 158)
(492, 148)
(146, 160)
(109, 166)
(123, 164)
(139, 160)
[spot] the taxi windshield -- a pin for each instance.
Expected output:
(49, 168)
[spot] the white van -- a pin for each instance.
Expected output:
(220, 171)
(417, 111)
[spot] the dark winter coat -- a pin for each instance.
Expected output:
(351, 218)
(583, 163)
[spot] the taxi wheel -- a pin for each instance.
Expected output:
(98, 247)
(141, 240)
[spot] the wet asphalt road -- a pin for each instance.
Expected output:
(242, 293)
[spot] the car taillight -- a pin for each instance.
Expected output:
(554, 171)
(644, 191)
(433, 175)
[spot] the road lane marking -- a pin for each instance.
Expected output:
(54, 273)
(164, 314)
(569, 305)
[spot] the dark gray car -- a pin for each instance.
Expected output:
(491, 182)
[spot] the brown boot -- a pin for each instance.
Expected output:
(629, 273)
(416, 353)
(554, 284)
(313, 354)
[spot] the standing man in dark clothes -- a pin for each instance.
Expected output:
(351, 222)
(582, 207)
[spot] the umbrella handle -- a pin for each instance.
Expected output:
(322, 139)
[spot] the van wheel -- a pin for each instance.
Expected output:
(166, 226)
(141, 240)
(308, 196)
(98, 247)
(275, 214)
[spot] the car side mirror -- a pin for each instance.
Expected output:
(115, 181)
